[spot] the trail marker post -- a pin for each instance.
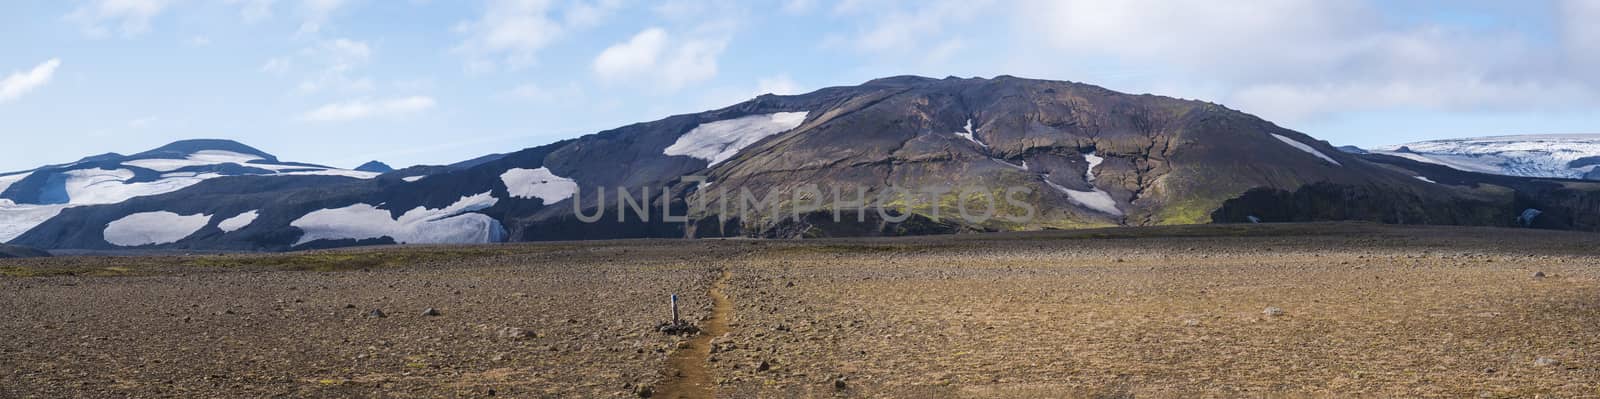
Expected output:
(674, 309)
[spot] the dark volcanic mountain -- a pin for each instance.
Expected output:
(1076, 155)
(375, 167)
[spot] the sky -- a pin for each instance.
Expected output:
(341, 82)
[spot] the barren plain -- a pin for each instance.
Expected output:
(1293, 310)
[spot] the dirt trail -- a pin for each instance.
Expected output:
(688, 369)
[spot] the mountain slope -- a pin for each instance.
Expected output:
(13, 251)
(1067, 154)
(30, 197)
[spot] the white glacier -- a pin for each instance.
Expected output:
(1528, 156)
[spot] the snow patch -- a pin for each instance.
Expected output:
(413, 179)
(198, 158)
(333, 172)
(1098, 200)
(454, 224)
(1093, 160)
(717, 141)
(970, 135)
(238, 222)
(1023, 166)
(153, 228)
(16, 219)
(538, 183)
(1303, 147)
(1426, 179)
(99, 186)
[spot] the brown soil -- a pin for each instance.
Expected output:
(1367, 311)
(688, 374)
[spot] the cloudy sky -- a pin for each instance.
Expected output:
(340, 82)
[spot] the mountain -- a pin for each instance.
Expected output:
(1045, 154)
(1571, 156)
(375, 167)
(30, 197)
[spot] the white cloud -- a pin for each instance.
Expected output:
(798, 6)
(142, 122)
(346, 53)
(906, 31)
(315, 13)
(338, 59)
(587, 14)
(252, 11)
(20, 83)
(535, 92)
(1582, 35)
(511, 32)
(651, 55)
(277, 65)
(633, 57)
(131, 17)
(1299, 60)
(366, 108)
(781, 85)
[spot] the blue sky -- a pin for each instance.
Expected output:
(340, 82)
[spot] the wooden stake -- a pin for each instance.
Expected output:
(674, 308)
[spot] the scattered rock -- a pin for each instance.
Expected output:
(839, 384)
(1191, 323)
(1272, 311)
(514, 333)
(679, 327)
(1538, 275)
(376, 313)
(431, 312)
(1546, 362)
(644, 391)
(349, 306)
(763, 366)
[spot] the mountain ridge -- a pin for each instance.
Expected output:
(1086, 156)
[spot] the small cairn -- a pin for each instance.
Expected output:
(677, 326)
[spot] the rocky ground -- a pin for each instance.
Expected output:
(1330, 310)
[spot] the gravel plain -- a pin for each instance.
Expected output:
(1297, 310)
